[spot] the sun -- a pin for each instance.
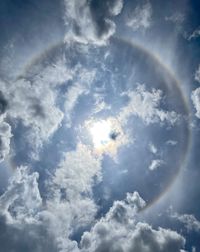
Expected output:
(101, 133)
(107, 136)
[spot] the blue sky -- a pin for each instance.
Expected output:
(99, 126)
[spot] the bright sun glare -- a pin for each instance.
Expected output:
(100, 132)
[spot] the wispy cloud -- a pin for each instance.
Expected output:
(140, 17)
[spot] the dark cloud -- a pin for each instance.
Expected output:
(23, 238)
(3, 103)
(91, 22)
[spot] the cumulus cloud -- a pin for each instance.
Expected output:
(34, 104)
(21, 200)
(91, 22)
(118, 231)
(64, 213)
(5, 137)
(70, 204)
(140, 17)
(5, 129)
(145, 105)
(32, 100)
(77, 170)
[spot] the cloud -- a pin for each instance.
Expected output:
(5, 128)
(119, 231)
(153, 148)
(171, 142)
(145, 105)
(188, 220)
(70, 205)
(77, 170)
(35, 105)
(91, 22)
(177, 18)
(195, 34)
(155, 164)
(140, 17)
(82, 80)
(195, 96)
(63, 213)
(32, 101)
(21, 200)
(197, 74)
(5, 137)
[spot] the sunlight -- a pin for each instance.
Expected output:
(100, 132)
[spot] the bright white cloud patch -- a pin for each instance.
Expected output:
(21, 201)
(119, 231)
(153, 148)
(155, 164)
(76, 172)
(196, 101)
(5, 137)
(141, 16)
(34, 104)
(145, 104)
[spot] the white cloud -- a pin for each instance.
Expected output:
(140, 17)
(119, 231)
(88, 24)
(189, 221)
(145, 105)
(195, 34)
(155, 164)
(195, 96)
(20, 202)
(171, 142)
(176, 18)
(193, 249)
(153, 148)
(61, 216)
(70, 205)
(34, 104)
(5, 137)
(115, 7)
(76, 172)
(197, 74)
(5, 128)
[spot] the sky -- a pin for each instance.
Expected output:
(99, 126)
